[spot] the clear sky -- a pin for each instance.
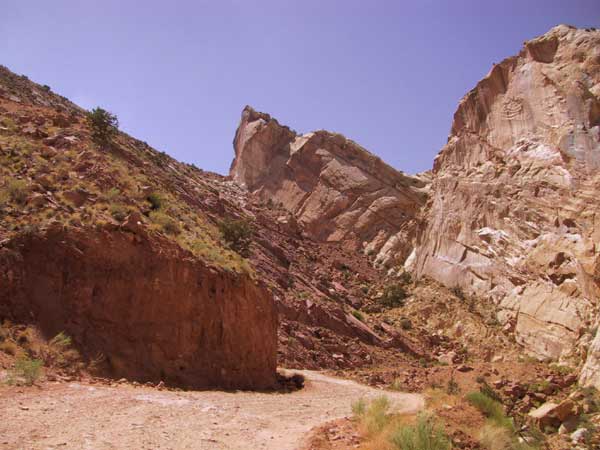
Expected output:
(387, 74)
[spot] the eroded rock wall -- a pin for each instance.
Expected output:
(154, 311)
(337, 190)
(514, 215)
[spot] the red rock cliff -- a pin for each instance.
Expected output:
(154, 311)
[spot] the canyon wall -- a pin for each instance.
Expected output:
(514, 215)
(152, 309)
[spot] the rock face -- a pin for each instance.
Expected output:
(155, 311)
(515, 205)
(336, 190)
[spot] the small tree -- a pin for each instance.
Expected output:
(103, 125)
(238, 234)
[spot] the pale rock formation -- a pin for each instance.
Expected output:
(338, 191)
(514, 214)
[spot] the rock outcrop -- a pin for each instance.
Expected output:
(515, 205)
(151, 308)
(337, 191)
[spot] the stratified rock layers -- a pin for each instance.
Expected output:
(514, 214)
(337, 190)
(152, 309)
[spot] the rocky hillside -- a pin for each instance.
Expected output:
(77, 218)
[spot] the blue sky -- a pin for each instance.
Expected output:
(387, 74)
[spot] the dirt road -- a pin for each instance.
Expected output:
(85, 416)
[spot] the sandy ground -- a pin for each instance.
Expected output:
(86, 416)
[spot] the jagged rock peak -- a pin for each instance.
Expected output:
(338, 191)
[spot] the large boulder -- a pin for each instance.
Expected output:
(151, 308)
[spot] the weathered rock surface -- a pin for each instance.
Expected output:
(337, 190)
(513, 214)
(155, 311)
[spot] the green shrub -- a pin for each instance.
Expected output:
(27, 369)
(424, 435)
(393, 296)
(156, 201)
(168, 224)
(237, 234)
(103, 126)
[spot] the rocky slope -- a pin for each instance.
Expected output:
(52, 176)
(336, 190)
(513, 215)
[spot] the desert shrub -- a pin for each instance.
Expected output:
(424, 435)
(118, 211)
(373, 416)
(405, 278)
(489, 391)
(237, 234)
(358, 315)
(452, 387)
(156, 201)
(405, 323)
(27, 369)
(393, 296)
(458, 292)
(168, 224)
(103, 126)
(9, 347)
(491, 408)
(113, 194)
(15, 190)
(396, 385)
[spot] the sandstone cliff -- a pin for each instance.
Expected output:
(514, 212)
(336, 190)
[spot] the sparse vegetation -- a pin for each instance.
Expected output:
(393, 296)
(156, 201)
(26, 369)
(458, 292)
(118, 211)
(372, 417)
(16, 191)
(491, 408)
(424, 435)
(167, 223)
(103, 126)
(237, 234)
(452, 388)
